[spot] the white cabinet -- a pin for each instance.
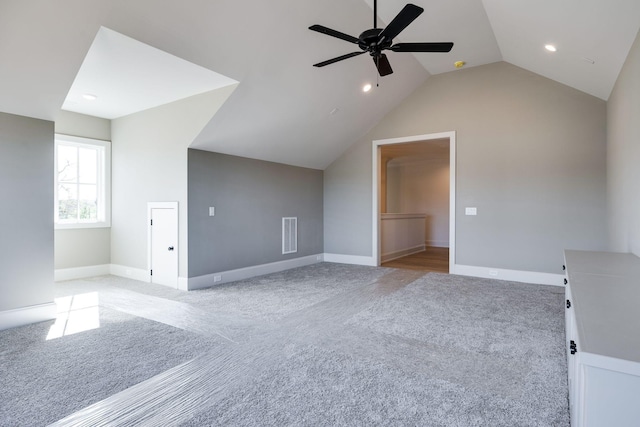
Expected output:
(603, 338)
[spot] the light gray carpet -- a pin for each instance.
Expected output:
(328, 344)
(43, 381)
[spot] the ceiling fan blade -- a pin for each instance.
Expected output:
(334, 33)
(422, 47)
(339, 58)
(382, 64)
(406, 16)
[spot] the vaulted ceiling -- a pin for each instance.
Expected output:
(284, 109)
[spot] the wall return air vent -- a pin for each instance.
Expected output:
(289, 235)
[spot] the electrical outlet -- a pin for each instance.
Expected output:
(217, 278)
(319, 258)
(493, 272)
(212, 211)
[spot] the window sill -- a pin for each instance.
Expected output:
(82, 225)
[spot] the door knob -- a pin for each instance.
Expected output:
(170, 248)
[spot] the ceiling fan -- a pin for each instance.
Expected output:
(375, 40)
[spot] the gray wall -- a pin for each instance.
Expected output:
(531, 157)
(623, 156)
(149, 164)
(83, 246)
(74, 124)
(26, 217)
(422, 186)
(250, 198)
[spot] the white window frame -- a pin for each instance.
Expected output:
(103, 181)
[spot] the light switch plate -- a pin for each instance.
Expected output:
(471, 211)
(212, 211)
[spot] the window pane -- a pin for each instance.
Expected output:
(67, 202)
(67, 163)
(88, 203)
(88, 159)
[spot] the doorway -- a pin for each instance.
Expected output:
(163, 243)
(419, 237)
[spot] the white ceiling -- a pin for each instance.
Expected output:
(128, 76)
(582, 30)
(280, 111)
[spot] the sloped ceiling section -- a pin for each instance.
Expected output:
(463, 22)
(285, 110)
(282, 110)
(121, 76)
(593, 38)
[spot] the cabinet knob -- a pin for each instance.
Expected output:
(565, 281)
(568, 304)
(564, 267)
(573, 347)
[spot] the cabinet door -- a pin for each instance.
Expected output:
(573, 374)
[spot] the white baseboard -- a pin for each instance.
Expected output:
(214, 279)
(183, 283)
(130, 272)
(27, 315)
(510, 275)
(350, 259)
(401, 253)
(437, 243)
(114, 269)
(81, 272)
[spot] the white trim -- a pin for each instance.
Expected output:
(27, 315)
(81, 272)
(401, 253)
(375, 233)
(130, 272)
(183, 283)
(112, 269)
(392, 216)
(163, 205)
(214, 279)
(103, 184)
(610, 363)
(437, 244)
(532, 277)
(350, 259)
(290, 227)
(72, 226)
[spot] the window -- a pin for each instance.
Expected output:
(82, 192)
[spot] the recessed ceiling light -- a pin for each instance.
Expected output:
(366, 88)
(90, 96)
(550, 48)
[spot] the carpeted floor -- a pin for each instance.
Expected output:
(327, 344)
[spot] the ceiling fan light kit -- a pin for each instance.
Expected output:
(376, 40)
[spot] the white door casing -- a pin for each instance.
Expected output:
(163, 243)
(376, 242)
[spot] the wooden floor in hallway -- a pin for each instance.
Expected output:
(432, 259)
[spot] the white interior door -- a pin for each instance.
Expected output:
(163, 245)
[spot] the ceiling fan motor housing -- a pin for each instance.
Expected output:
(369, 41)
